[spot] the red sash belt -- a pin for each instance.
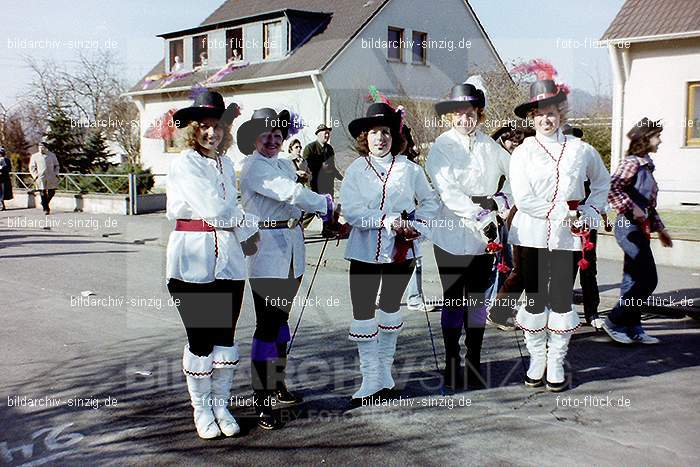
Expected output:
(197, 225)
(192, 225)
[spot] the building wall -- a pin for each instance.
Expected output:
(657, 88)
(296, 95)
(360, 65)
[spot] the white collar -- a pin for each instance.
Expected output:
(556, 137)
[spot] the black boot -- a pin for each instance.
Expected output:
(283, 395)
(474, 378)
(264, 398)
(453, 374)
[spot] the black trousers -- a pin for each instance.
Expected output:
(549, 279)
(365, 280)
(46, 196)
(273, 300)
(589, 279)
(208, 311)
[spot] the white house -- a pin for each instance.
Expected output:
(655, 60)
(314, 57)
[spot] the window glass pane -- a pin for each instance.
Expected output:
(694, 114)
(419, 40)
(176, 50)
(234, 44)
(272, 36)
(395, 37)
(199, 50)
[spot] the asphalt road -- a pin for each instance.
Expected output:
(108, 385)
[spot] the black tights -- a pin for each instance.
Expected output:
(365, 279)
(549, 279)
(209, 312)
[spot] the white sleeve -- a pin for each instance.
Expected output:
(264, 180)
(202, 195)
(525, 199)
(355, 212)
(450, 191)
(599, 178)
(504, 200)
(428, 204)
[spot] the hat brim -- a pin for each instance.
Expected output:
(445, 107)
(523, 109)
(183, 117)
(248, 132)
(359, 125)
(322, 129)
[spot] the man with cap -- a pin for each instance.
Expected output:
(271, 191)
(465, 166)
(548, 172)
(633, 194)
(5, 180)
(44, 167)
(321, 159)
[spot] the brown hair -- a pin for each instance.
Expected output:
(293, 142)
(188, 137)
(641, 145)
(398, 143)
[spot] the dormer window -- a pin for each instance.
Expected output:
(273, 43)
(177, 50)
(234, 45)
(200, 50)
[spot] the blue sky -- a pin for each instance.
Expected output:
(129, 27)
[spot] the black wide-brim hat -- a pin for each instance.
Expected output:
(542, 93)
(460, 95)
(263, 120)
(208, 104)
(378, 114)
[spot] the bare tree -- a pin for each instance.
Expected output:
(91, 95)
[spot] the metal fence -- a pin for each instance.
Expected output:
(130, 184)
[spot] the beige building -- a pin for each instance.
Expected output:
(314, 57)
(654, 50)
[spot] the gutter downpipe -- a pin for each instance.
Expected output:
(322, 95)
(620, 75)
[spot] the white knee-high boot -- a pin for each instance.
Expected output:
(560, 327)
(535, 329)
(365, 333)
(225, 360)
(198, 371)
(390, 325)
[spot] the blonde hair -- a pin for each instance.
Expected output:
(187, 137)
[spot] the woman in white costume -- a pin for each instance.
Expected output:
(465, 166)
(379, 195)
(548, 172)
(271, 191)
(205, 258)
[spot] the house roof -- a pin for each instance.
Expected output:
(642, 20)
(347, 19)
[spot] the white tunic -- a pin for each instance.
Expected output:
(270, 191)
(195, 191)
(461, 167)
(374, 193)
(542, 185)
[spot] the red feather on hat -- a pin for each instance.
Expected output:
(539, 67)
